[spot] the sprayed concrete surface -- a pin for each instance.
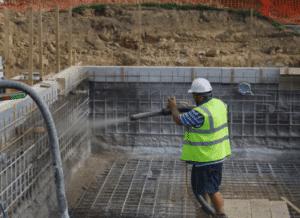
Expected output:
(113, 133)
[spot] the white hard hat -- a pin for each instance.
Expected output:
(200, 85)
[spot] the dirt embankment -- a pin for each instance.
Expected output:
(169, 38)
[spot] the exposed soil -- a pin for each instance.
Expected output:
(169, 38)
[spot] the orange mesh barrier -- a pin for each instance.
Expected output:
(283, 11)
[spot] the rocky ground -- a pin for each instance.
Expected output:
(169, 38)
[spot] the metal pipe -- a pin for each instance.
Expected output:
(53, 141)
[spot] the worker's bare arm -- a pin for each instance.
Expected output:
(175, 114)
(183, 102)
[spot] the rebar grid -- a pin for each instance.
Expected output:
(27, 151)
(249, 117)
(156, 187)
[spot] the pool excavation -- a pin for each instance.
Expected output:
(150, 181)
(121, 112)
(108, 146)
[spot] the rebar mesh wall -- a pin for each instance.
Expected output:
(26, 171)
(256, 132)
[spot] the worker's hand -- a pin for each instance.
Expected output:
(183, 102)
(171, 102)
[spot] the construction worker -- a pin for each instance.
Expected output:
(206, 142)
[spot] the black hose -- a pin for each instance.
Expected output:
(205, 206)
(3, 210)
(165, 112)
(53, 141)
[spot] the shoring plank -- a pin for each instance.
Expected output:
(57, 38)
(40, 43)
(30, 73)
(70, 36)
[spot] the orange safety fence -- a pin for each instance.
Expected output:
(283, 11)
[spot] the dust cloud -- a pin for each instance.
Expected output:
(100, 123)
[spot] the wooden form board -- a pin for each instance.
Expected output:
(139, 42)
(34, 129)
(8, 90)
(193, 74)
(30, 47)
(21, 71)
(61, 85)
(289, 71)
(40, 43)
(291, 204)
(57, 38)
(249, 56)
(70, 36)
(6, 35)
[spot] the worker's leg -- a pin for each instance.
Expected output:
(207, 198)
(218, 202)
(214, 178)
(206, 180)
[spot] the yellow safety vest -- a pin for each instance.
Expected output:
(210, 142)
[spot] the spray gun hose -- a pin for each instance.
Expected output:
(181, 108)
(165, 112)
(146, 114)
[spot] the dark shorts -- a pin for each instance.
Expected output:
(206, 179)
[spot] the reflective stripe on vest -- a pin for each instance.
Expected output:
(211, 124)
(206, 143)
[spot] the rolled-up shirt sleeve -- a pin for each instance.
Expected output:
(192, 119)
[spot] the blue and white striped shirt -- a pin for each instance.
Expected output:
(195, 119)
